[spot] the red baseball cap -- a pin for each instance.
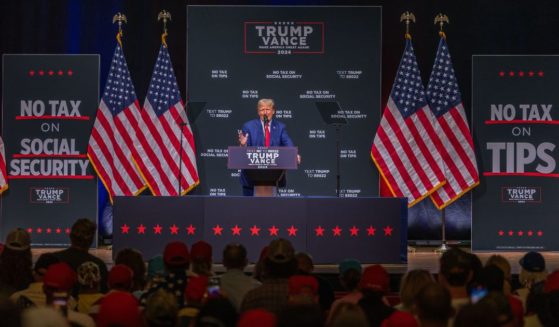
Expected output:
(375, 277)
(119, 309)
(60, 276)
(176, 254)
(196, 288)
(201, 251)
(400, 319)
(552, 282)
(257, 317)
(302, 284)
(120, 276)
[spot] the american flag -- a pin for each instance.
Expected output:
(404, 149)
(113, 136)
(3, 172)
(460, 167)
(164, 126)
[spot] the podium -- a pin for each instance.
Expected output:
(264, 166)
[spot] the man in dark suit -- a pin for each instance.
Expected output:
(263, 131)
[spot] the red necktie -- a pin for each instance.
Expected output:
(267, 135)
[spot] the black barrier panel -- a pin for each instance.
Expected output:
(516, 133)
(298, 56)
(331, 229)
(373, 231)
(148, 223)
(48, 108)
(285, 218)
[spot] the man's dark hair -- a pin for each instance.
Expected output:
(302, 315)
(373, 305)
(83, 232)
(433, 303)
(280, 270)
(217, 312)
(350, 279)
(492, 278)
(455, 267)
(234, 256)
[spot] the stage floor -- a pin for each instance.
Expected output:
(422, 258)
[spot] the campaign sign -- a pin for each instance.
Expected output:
(516, 132)
(49, 104)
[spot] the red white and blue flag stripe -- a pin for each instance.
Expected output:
(114, 133)
(404, 148)
(163, 127)
(443, 95)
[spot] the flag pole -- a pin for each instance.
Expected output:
(165, 16)
(441, 19)
(408, 17)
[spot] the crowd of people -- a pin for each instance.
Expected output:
(180, 288)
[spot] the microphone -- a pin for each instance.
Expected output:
(266, 121)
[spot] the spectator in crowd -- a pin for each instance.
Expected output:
(34, 295)
(279, 265)
(82, 235)
(501, 306)
(257, 317)
(119, 309)
(10, 314)
(201, 259)
(548, 309)
(374, 285)
(217, 312)
(42, 317)
(347, 314)
(412, 282)
(400, 319)
(476, 266)
(493, 279)
(58, 282)
(478, 314)
(455, 273)
(15, 263)
(161, 309)
(303, 289)
(350, 275)
(234, 283)
(135, 261)
(325, 292)
(177, 260)
(195, 294)
(503, 264)
(259, 273)
(121, 278)
(301, 315)
(433, 305)
(89, 277)
(532, 273)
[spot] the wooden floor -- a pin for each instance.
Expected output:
(421, 258)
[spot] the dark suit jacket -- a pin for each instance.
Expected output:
(278, 137)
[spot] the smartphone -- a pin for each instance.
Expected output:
(60, 302)
(477, 294)
(214, 291)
